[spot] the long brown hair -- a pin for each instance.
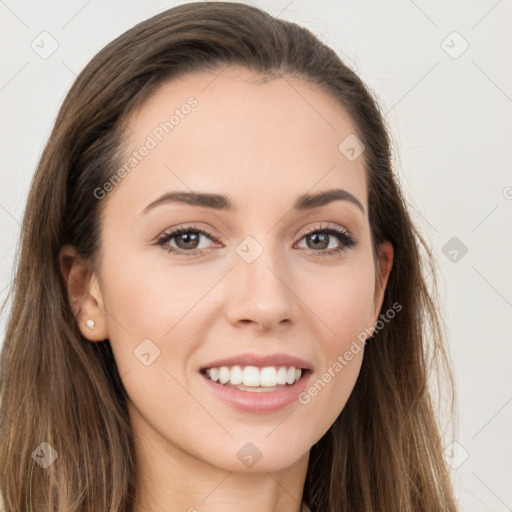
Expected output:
(383, 452)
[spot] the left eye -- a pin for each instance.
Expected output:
(323, 238)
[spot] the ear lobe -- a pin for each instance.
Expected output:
(84, 294)
(386, 255)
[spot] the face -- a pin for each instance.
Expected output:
(264, 283)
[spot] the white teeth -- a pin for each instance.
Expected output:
(214, 374)
(251, 376)
(236, 375)
(281, 375)
(268, 377)
(254, 377)
(223, 374)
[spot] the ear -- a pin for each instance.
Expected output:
(386, 254)
(84, 294)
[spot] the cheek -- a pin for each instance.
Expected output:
(133, 301)
(159, 302)
(151, 336)
(344, 305)
(149, 299)
(341, 298)
(349, 309)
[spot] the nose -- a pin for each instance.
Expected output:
(261, 292)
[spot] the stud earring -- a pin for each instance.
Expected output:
(90, 324)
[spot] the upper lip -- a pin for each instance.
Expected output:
(259, 360)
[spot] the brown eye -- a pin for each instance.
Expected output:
(318, 240)
(183, 241)
(187, 240)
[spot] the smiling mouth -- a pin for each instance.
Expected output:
(255, 379)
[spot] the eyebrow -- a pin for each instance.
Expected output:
(222, 202)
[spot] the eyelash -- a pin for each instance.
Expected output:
(346, 239)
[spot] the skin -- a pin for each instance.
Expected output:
(263, 145)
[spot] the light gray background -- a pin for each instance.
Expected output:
(450, 117)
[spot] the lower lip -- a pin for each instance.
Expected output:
(253, 401)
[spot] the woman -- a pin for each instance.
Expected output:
(213, 239)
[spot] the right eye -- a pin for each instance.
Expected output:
(188, 237)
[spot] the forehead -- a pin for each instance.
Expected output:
(231, 132)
